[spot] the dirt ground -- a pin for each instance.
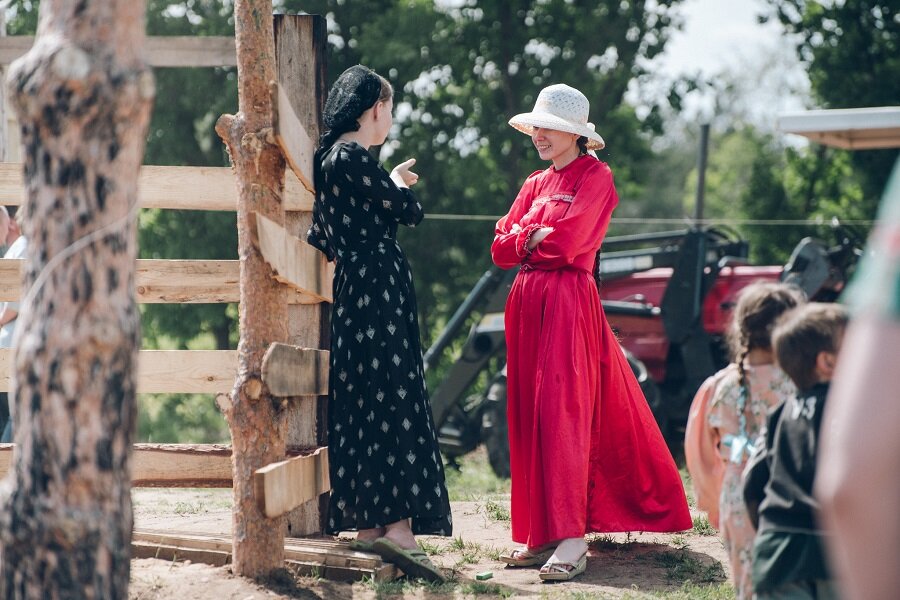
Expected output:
(688, 565)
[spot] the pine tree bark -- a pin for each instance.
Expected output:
(83, 95)
(255, 418)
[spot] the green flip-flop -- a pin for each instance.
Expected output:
(415, 563)
(362, 545)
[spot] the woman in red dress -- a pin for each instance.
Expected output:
(585, 452)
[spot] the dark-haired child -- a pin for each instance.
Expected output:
(788, 556)
(727, 414)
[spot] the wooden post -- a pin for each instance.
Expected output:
(254, 416)
(300, 43)
(83, 95)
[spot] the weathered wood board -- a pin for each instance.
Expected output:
(169, 371)
(165, 282)
(331, 559)
(283, 486)
(180, 188)
(295, 371)
(294, 262)
(160, 51)
(296, 145)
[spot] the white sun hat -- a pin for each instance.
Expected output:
(562, 108)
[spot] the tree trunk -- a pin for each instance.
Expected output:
(83, 95)
(4, 136)
(254, 416)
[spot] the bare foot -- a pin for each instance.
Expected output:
(526, 552)
(401, 534)
(370, 535)
(569, 551)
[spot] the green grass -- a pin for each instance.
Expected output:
(679, 541)
(469, 552)
(689, 591)
(573, 595)
(430, 548)
(474, 479)
(482, 588)
(472, 552)
(400, 587)
(608, 542)
(702, 526)
(453, 588)
(496, 511)
(682, 567)
(187, 501)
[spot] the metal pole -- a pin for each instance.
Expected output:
(701, 173)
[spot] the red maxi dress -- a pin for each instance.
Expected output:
(586, 454)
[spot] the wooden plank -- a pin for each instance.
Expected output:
(295, 371)
(164, 282)
(335, 573)
(331, 559)
(173, 553)
(186, 371)
(169, 371)
(167, 465)
(296, 145)
(182, 188)
(187, 281)
(160, 51)
(294, 263)
(284, 485)
(300, 62)
(171, 465)
(181, 465)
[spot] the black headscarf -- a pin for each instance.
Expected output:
(355, 91)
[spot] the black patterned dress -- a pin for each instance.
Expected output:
(382, 445)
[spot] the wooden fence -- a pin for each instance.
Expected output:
(296, 371)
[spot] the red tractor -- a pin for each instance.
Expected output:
(687, 285)
(668, 296)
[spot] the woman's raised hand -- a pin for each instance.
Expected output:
(402, 176)
(538, 236)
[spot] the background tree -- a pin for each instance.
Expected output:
(460, 73)
(82, 95)
(852, 50)
(181, 133)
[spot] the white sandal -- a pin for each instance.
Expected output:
(563, 571)
(523, 557)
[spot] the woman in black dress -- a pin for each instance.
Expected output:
(387, 477)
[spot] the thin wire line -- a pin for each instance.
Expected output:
(78, 245)
(671, 221)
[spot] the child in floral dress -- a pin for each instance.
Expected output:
(738, 401)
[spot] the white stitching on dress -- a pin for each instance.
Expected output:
(559, 197)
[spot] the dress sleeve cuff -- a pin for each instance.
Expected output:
(522, 239)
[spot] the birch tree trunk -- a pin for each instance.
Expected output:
(83, 95)
(254, 416)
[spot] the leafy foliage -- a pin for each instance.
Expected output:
(853, 52)
(461, 70)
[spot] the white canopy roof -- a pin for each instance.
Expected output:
(851, 128)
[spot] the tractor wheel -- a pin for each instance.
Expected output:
(494, 430)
